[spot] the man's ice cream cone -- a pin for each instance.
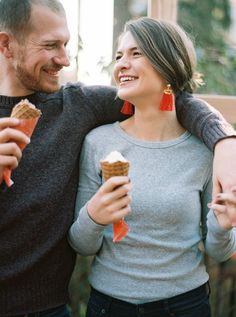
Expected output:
(25, 110)
(116, 165)
(28, 115)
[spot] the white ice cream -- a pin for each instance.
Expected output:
(114, 156)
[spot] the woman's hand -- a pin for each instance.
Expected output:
(111, 202)
(224, 207)
(10, 153)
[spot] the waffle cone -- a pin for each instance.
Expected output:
(114, 169)
(25, 110)
(28, 115)
(120, 228)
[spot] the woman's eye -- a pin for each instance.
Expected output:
(118, 57)
(136, 53)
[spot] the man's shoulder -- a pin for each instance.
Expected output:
(79, 93)
(88, 90)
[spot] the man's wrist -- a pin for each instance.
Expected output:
(227, 139)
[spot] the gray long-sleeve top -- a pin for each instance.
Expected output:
(160, 257)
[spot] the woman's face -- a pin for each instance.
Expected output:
(135, 77)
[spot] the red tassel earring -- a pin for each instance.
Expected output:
(127, 108)
(167, 101)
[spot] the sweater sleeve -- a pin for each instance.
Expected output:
(202, 120)
(194, 114)
(86, 236)
(219, 243)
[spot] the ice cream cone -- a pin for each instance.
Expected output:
(116, 167)
(28, 115)
(25, 110)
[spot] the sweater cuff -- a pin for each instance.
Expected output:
(87, 222)
(219, 132)
(214, 227)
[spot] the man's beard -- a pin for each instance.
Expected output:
(31, 83)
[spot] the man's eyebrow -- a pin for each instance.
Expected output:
(45, 42)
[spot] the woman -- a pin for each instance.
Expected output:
(157, 269)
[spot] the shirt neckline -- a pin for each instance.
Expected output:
(150, 144)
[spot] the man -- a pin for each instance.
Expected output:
(37, 211)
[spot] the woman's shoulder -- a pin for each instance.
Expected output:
(200, 149)
(101, 135)
(101, 130)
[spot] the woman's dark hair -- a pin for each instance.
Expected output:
(15, 15)
(169, 49)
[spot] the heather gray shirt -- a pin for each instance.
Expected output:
(160, 257)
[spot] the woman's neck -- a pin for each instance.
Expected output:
(153, 126)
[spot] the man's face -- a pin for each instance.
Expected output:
(37, 61)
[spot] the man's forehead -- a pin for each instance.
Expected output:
(48, 25)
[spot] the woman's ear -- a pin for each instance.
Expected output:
(5, 47)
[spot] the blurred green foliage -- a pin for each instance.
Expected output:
(208, 22)
(79, 286)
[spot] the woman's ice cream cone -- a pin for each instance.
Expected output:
(116, 165)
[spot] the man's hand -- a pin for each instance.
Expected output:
(10, 153)
(224, 207)
(224, 166)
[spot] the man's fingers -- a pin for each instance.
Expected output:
(233, 190)
(216, 188)
(9, 161)
(9, 134)
(229, 197)
(8, 122)
(10, 148)
(218, 209)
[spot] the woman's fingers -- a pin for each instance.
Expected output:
(111, 202)
(113, 183)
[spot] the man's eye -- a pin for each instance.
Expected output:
(50, 46)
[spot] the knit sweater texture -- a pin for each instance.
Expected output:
(36, 260)
(171, 184)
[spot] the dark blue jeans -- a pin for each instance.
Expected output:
(60, 311)
(194, 303)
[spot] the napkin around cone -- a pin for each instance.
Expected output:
(120, 228)
(28, 115)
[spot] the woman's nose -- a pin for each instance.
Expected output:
(123, 62)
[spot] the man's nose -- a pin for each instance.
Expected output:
(62, 58)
